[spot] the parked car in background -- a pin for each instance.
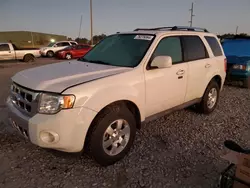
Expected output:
(9, 51)
(98, 102)
(237, 51)
(53, 47)
(73, 51)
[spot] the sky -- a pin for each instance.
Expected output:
(110, 16)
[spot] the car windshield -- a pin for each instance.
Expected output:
(125, 50)
(51, 44)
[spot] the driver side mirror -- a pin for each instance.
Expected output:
(162, 62)
(55, 45)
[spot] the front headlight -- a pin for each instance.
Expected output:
(52, 103)
(239, 67)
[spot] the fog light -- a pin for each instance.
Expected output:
(49, 137)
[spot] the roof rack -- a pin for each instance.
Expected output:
(174, 28)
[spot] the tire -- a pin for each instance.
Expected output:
(28, 58)
(50, 54)
(111, 117)
(203, 106)
(68, 56)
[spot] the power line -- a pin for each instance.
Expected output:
(191, 15)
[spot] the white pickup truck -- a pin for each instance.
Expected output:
(97, 103)
(9, 51)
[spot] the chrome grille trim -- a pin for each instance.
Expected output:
(26, 101)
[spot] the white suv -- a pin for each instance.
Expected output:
(53, 47)
(97, 102)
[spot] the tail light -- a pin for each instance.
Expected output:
(225, 64)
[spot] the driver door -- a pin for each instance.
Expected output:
(166, 87)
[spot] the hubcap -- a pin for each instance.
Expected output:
(68, 56)
(212, 98)
(116, 137)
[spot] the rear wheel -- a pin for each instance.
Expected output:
(28, 58)
(209, 99)
(50, 54)
(68, 56)
(111, 135)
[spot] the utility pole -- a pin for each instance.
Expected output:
(192, 15)
(80, 28)
(32, 39)
(236, 32)
(91, 23)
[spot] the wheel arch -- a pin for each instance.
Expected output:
(133, 108)
(28, 54)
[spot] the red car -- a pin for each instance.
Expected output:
(73, 51)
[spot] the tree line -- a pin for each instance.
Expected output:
(96, 39)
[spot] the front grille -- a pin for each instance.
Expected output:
(24, 100)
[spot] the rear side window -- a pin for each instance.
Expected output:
(214, 45)
(73, 43)
(4, 47)
(194, 48)
(63, 44)
(169, 46)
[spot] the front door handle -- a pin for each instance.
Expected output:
(208, 65)
(180, 72)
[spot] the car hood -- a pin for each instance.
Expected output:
(59, 76)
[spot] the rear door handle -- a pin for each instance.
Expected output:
(180, 72)
(207, 65)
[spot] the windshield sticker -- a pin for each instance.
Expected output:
(143, 37)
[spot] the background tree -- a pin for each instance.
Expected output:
(82, 40)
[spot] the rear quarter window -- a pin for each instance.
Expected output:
(214, 45)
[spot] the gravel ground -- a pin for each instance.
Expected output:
(179, 150)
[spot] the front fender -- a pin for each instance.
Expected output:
(98, 94)
(106, 96)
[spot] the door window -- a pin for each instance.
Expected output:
(194, 48)
(4, 47)
(61, 44)
(169, 46)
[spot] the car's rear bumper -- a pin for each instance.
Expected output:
(239, 79)
(68, 128)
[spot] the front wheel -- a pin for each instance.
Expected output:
(50, 54)
(209, 99)
(112, 135)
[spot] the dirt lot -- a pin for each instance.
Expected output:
(179, 150)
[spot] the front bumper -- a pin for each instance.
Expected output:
(60, 55)
(68, 127)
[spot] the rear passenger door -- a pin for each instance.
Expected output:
(196, 56)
